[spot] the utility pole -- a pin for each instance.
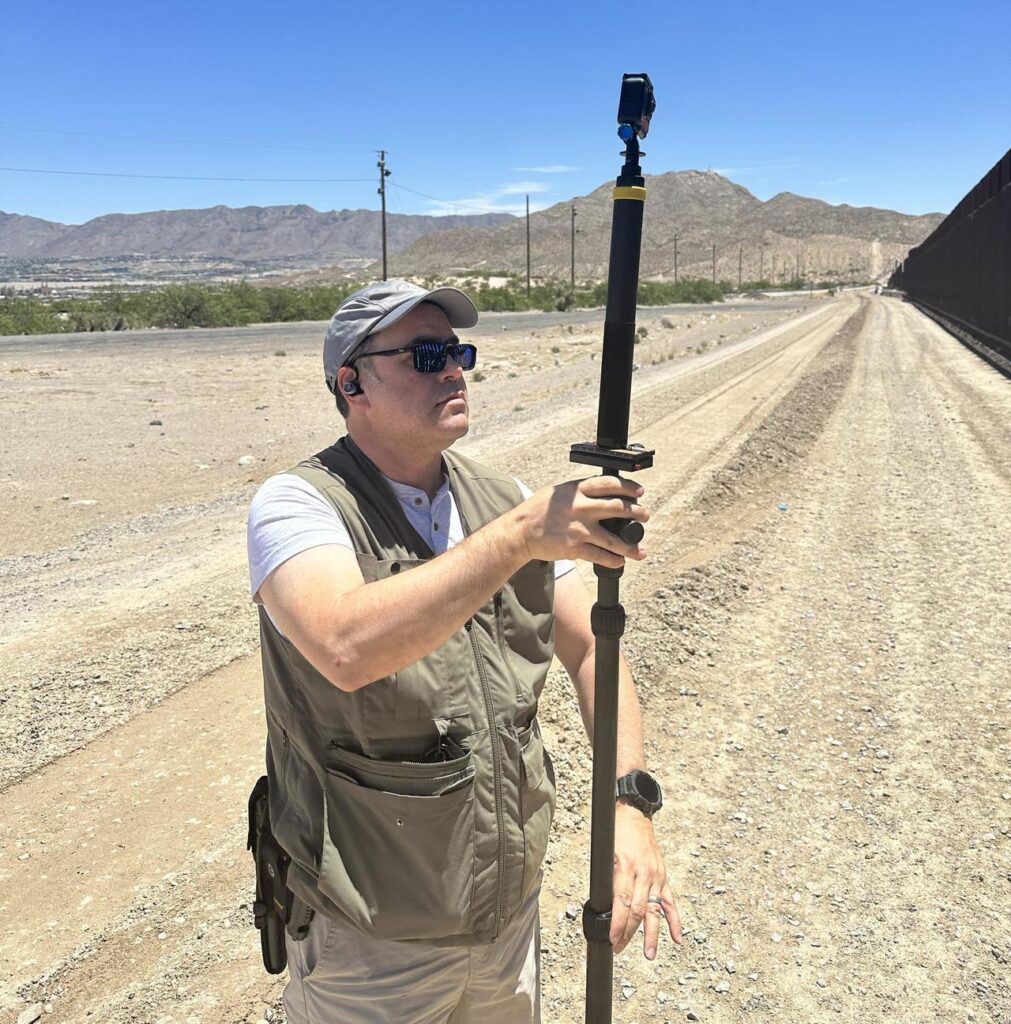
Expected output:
(528, 246)
(740, 260)
(383, 175)
(573, 271)
(761, 262)
(714, 263)
(676, 237)
(774, 278)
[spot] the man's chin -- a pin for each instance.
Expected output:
(456, 426)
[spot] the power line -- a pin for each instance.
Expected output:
(177, 177)
(230, 143)
(174, 142)
(438, 170)
(448, 202)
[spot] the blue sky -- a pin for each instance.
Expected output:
(895, 104)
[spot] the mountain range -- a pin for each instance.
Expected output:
(701, 210)
(699, 221)
(244, 233)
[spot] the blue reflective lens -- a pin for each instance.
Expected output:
(430, 356)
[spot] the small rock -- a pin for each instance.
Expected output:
(246, 460)
(731, 967)
(722, 987)
(24, 856)
(627, 988)
(700, 937)
(776, 937)
(32, 1014)
(162, 935)
(692, 1015)
(572, 912)
(822, 983)
(155, 423)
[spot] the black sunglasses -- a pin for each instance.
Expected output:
(430, 356)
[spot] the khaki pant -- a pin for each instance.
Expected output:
(337, 975)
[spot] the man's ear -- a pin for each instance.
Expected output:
(347, 381)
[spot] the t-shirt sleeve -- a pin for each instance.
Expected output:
(563, 565)
(288, 515)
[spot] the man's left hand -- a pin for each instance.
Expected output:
(638, 874)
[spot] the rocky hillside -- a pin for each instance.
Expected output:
(248, 233)
(701, 209)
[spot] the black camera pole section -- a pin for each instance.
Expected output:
(613, 455)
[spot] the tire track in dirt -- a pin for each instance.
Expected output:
(678, 614)
(836, 737)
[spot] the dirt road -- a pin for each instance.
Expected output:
(820, 637)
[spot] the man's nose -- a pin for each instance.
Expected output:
(452, 370)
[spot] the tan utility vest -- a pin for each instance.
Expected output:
(418, 807)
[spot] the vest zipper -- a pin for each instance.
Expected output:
(496, 760)
(500, 632)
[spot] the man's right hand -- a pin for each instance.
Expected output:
(564, 521)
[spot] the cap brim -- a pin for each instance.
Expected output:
(459, 310)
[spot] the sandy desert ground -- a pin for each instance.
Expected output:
(820, 636)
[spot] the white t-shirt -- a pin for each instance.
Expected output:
(288, 515)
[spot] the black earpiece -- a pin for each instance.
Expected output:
(351, 387)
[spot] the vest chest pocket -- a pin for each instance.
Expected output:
(433, 687)
(398, 844)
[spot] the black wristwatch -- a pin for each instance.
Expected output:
(641, 790)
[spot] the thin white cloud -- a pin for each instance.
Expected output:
(481, 204)
(498, 201)
(549, 169)
(518, 188)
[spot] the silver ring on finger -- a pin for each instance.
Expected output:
(658, 900)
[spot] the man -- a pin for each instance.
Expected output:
(410, 610)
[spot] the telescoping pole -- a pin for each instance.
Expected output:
(613, 454)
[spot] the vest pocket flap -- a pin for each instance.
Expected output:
(403, 778)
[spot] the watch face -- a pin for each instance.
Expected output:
(647, 787)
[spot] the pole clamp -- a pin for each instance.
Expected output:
(596, 926)
(607, 622)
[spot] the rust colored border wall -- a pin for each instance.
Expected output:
(963, 268)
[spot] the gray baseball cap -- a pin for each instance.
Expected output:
(372, 309)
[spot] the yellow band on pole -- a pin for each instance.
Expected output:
(630, 192)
